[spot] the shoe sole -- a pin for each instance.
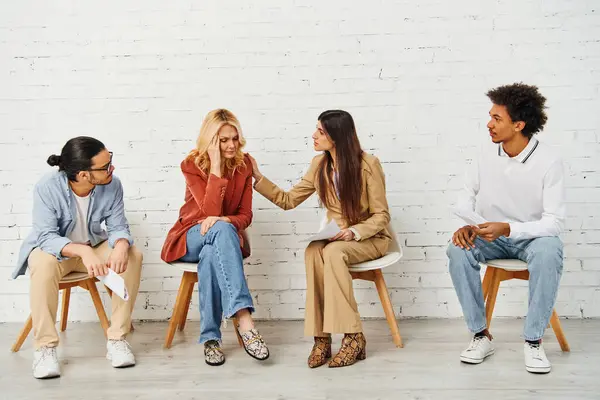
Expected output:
(109, 358)
(256, 358)
(538, 370)
(214, 364)
(319, 365)
(468, 360)
(49, 376)
(345, 365)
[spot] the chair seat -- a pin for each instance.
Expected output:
(504, 270)
(185, 266)
(74, 277)
(385, 261)
(507, 264)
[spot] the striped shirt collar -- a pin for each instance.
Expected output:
(524, 155)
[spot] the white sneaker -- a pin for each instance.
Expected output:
(535, 359)
(479, 348)
(45, 363)
(119, 352)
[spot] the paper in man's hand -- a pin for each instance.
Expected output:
(115, 283)
(469, 216)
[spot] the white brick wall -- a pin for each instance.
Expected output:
(140, 76)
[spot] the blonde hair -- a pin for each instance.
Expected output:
(211, 125)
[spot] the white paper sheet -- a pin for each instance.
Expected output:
(115, 283)
(469, 216)
(326, 232)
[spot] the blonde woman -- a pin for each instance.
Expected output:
(210, 232)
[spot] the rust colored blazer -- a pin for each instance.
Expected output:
(208, 196)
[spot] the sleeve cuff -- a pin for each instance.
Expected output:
(62, 243)
(112, 239)
(357, 236)
(515, 230)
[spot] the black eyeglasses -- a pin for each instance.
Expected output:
(107, 167)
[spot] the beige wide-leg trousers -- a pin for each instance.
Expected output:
(46, 272)
(330, 304)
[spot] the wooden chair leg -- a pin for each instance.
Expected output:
(186, 306)
(491, 298)
(22, 335)
(388, 309)
(487, 279)
(177, 309)
(558, 331)
(237, 332)
(64, 314)
(90, 285)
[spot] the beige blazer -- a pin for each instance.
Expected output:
(373, 202)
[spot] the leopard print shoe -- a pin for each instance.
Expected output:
(354, 348)
(213, 354)
(254, 344)
(321, 352)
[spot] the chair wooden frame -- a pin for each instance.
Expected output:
(74, 279)
(184, 297)
(495, 274)
(371, 271)
(182, 305)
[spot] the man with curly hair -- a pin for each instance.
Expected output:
(517, 187)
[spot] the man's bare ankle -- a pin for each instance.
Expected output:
(485, 333)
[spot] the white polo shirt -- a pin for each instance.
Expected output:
(527, 190)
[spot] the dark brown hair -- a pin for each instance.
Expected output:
(76, 155)
(339, 125)
(523, 103)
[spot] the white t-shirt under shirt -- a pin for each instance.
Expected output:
(80, 231)
(527, 190)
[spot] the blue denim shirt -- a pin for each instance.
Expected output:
(54, 211)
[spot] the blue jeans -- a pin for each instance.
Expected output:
(544, 258)
(222, 285)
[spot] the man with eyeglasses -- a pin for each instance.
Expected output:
(69, 207)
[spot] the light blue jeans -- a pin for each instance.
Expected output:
(544, 258)
(222, 285)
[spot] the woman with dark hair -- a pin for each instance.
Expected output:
(69, 207)
(351, 186)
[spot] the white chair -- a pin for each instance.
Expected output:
(368, 270)
(505, 269)
(184, 298)
(80, 279)
(371, 271)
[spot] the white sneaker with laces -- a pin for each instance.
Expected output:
(535, 359)
(479, 348)
(45, 363)
(119, 353)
